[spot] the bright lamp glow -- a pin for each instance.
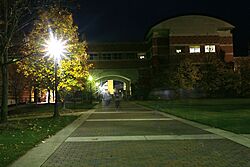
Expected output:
(102, 88)
(90, 78)
(55, 47)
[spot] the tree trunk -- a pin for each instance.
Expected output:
(30, 95)
(15, 95)
(48, 96)
(4, 106)
(16, 98)
(36, 95)
(53, 94)
(64, 104)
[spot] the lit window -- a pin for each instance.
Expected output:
(209, 48)
(142, 57)
(178, 50)
(194, 49)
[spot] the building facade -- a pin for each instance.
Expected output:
(165, 43)
(191, 35)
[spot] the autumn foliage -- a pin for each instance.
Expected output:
(73, 68)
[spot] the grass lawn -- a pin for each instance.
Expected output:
(229, 114)
(17, 137)
(32, 109)
(39, 109)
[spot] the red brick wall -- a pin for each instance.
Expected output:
(224, 44)
(193, 39)
(112, 64)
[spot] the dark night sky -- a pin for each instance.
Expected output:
(129, 20)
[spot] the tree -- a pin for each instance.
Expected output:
(212, 71)
(17, 82)
(73, 69)
(218, 77)
(230, 82)
(15, 15)
(243, 70)
(183, 74)
(39, 70)
(187, 75)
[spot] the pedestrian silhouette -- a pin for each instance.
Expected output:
(117, 97)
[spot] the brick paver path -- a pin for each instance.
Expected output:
(139, 137)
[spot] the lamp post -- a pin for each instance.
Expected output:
(90, 78)
(56, 112)
(55, 48)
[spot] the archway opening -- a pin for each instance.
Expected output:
(112, 84)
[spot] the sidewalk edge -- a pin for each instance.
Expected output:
(39, 154)
(237, 138)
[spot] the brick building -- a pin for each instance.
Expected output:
(165, 43)
(19, 88)
(191, 35)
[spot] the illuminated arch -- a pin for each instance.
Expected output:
(120, 78)
(113, 77)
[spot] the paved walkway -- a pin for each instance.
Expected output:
(135, 136)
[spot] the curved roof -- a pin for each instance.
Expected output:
(192, 25)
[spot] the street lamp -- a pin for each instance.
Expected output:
(55, 48)
(90, 78)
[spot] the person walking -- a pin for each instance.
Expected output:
(117, 100)
(107, 98)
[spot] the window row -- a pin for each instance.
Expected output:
(116, 56)
(196, 49)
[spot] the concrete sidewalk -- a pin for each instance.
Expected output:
(137, 136)
(38, 155)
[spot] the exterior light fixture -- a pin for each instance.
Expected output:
(55, 48)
